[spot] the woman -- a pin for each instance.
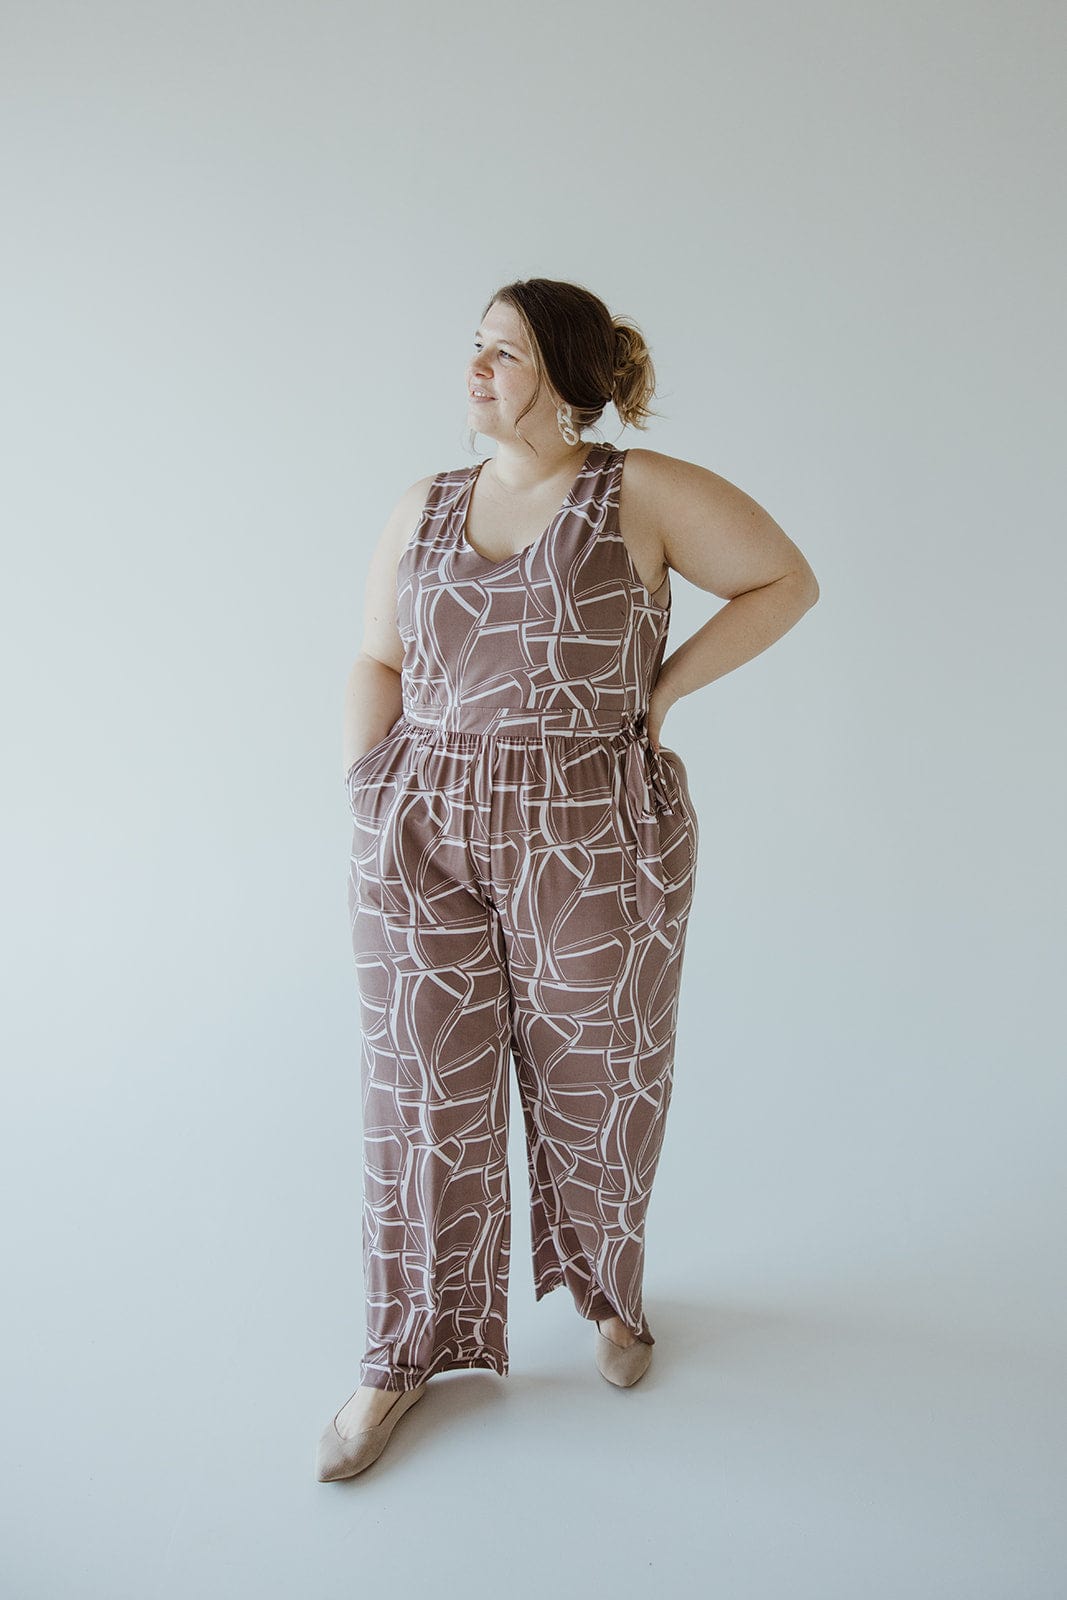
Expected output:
(525, 848)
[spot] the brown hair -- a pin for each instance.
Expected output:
(587, 355)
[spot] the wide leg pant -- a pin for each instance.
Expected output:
(526, 897)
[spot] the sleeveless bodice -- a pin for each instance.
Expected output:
(562, 636)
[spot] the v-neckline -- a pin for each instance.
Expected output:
(463, 506)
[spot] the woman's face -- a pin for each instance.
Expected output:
(501, 366)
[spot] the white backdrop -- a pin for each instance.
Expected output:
(247, 245)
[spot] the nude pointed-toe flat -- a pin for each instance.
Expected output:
(619, 1366)
(339, 1457)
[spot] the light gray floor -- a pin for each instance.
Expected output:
(886, 1433)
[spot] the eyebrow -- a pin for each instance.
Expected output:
(479, 335)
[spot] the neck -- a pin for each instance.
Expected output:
(516, 472)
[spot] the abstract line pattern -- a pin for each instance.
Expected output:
(522, 871)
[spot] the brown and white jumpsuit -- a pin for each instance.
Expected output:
(522, 870)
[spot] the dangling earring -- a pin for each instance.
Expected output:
(564, 417)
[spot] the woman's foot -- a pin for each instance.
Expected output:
(343, 1455)
(614, 1329)
(367, 1407)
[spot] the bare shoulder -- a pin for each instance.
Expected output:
(405, 515)
(657, 489)
(712, 532)
(659, 495)
(653, 476)
(381, 636)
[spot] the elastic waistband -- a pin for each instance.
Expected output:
(507, 722)
(648, 783)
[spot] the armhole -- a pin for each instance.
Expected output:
(429, 507)
(652, 595)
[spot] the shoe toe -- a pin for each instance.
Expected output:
(622, 1367)
(343, 1458)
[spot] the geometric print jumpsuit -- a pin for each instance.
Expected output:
(522, 870)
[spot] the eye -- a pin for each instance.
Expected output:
(505, 353)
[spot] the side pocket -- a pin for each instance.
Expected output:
(682, 798)
(363, 765)
(676, 764)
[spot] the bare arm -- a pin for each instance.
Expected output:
(718, 537)
(373, 700)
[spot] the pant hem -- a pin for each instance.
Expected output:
(407, 1378)
(598, 1309)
